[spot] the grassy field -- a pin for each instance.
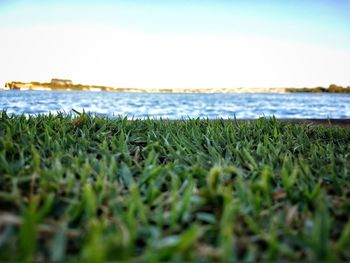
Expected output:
(96, 189)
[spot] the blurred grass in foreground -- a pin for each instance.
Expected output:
(100, 189)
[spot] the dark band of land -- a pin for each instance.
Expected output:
(67, 85)
(321, 122)
(312, 122)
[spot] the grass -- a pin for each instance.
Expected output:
(97, 189)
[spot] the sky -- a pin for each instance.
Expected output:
(177, 44)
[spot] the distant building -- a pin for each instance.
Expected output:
(62, 82)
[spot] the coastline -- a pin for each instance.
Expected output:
(78, 87)
(67, 85)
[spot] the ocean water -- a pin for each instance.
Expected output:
(178, 106)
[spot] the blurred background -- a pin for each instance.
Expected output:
(175, 45)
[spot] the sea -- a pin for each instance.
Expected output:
(178, 105)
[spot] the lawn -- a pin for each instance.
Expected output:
(96, 189)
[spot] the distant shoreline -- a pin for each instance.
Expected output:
(67, 85)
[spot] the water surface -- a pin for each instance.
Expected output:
(176, 106)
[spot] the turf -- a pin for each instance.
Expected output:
(97, 189)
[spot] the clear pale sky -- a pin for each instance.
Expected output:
(184, 43)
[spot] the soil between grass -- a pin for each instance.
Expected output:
(97, 189)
